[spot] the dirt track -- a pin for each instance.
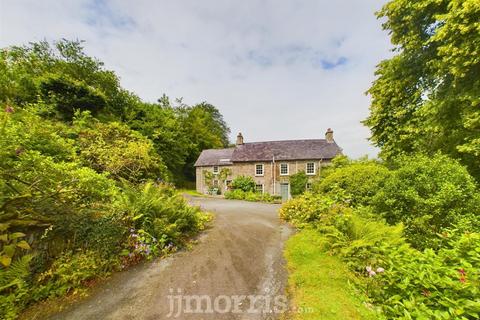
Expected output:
(240, 255)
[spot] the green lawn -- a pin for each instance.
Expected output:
(319, 283)
(191, 192)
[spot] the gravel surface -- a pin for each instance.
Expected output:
(237, 267)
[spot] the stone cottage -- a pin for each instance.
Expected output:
(269, 163)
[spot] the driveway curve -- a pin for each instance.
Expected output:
(235, 271)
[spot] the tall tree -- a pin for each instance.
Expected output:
(206, 129)
(426, 98)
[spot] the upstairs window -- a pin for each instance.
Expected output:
(259, 169)
(284, 169)
(215, 169)
(310, 170)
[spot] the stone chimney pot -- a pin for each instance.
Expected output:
(239, 139)
(329, 135)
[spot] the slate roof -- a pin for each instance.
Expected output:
(215, 157)
(312, 149)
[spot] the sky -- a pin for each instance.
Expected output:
(276, 70)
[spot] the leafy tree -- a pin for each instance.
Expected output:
(62, 74)
(244, 183)
(206, 129)
(426, 98)
(120, 151)
(160, 122)
(298, 183)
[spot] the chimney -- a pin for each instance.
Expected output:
(329, 135)
(239, 139)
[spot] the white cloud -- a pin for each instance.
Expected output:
(263, 63)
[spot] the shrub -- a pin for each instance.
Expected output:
(160, 212)
(236, 194)
(356, 182)
(429, 284)
(310, 209)
(120, 151)
(252, 196)
(404, 282)
(14, 287)
(244, 183)
(427, 194)
(298, 183)
(71, 271)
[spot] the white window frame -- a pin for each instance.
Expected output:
(215, 169)
(314, 169)
(288, 169)
(260, 184)
(263, 170)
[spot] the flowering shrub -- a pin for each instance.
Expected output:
(310, 209)
(432, 285)
(404, 282)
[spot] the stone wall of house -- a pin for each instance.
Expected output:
(202, 186)
(267, 179)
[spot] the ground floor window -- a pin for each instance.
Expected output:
(215, 183)
(308, 187)
(259, 188)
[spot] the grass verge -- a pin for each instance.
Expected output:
(319, 284)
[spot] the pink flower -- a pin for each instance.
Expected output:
(380, 270)
(372, 273)
(369, 269)
(8, 109)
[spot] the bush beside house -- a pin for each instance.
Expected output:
(416, 266)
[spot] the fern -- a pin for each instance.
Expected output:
(16, 273)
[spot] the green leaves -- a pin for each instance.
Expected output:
(244, 183)
(425, 98)
(298, 183)
(11, 241)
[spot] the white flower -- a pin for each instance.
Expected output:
(372, 273)
(369, 269)
(380, 270)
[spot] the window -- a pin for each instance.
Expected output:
(259, 169)
(215, 169)
(308, 186)
(310, 168)
(284, 169)
(215, 183)
(259, 188)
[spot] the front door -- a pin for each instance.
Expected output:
(284, 191)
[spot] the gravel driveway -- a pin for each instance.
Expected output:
(236, 271)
